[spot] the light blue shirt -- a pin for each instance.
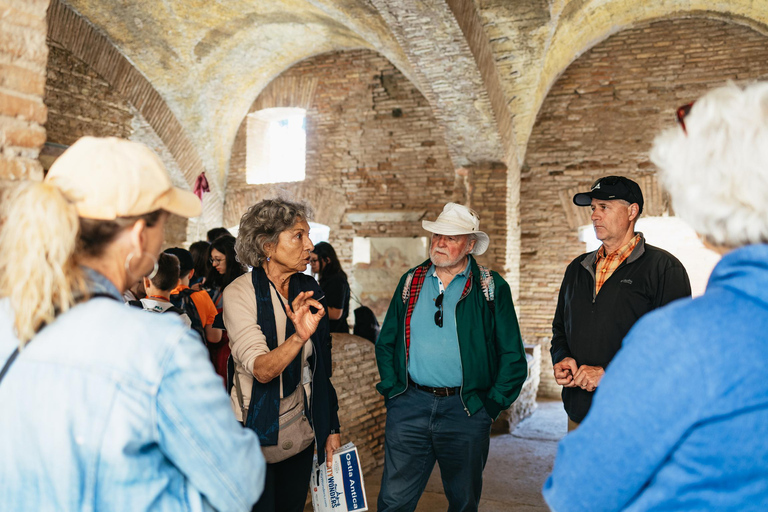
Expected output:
(434, 358)
(113, 408)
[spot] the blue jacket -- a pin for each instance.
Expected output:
(680, 420)
(113, 408)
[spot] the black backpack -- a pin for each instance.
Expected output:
(184, 302)
(366, 324)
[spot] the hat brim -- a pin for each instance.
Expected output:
(442, 228)
(181, 202)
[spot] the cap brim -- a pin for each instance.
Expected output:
(182, 202)
(585, 198)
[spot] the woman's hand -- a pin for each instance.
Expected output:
(304, 321)
(332, 444)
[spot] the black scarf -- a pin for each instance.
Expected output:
(263, 413)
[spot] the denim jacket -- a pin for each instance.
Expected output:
(112, 408)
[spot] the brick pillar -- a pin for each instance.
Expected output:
(23, 53)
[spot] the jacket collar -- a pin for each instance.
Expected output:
(589, 260)
(98, 284)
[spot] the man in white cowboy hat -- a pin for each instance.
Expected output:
(451, 358)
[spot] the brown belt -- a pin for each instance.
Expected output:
(435, 391)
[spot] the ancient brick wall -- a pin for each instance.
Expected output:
(361, 408)
(600, 119)
(80, 102)
(23, 55)
(372, 145)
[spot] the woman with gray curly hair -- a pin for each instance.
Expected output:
(281, 348)
(681, 417)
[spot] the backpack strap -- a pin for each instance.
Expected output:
(488, 285)
(8, 363)
(15, 352)
(407, 286)
(174, 309)
(183, 301)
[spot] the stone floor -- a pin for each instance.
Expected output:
(518, 464)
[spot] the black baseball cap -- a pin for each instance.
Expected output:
(610, 188)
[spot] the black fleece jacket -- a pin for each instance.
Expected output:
(590, 328)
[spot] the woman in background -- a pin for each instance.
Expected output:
(334, 283)
(223, 270)
(199, 251)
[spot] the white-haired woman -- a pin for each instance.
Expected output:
(106, 407)
(681, 417)
(281, 347)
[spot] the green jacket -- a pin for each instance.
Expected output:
(493, 361)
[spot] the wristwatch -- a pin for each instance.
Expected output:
(334, 431)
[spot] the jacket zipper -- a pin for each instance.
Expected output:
(461, 363)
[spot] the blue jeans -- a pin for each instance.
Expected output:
(421, 429)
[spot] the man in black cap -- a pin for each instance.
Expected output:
(604, 292)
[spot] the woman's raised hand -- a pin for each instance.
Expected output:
(304, 321)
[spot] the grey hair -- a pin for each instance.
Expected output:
(470, 237)
(716, 172)
(262, 225)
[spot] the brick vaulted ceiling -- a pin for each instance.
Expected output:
(484, 65)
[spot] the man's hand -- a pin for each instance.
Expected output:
(565, 371)
(588, 377)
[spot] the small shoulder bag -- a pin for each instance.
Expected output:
(295, 433)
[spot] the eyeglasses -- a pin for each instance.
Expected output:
(217, 261)
(681, 113)
(439, 312)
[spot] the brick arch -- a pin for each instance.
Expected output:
(283, 91)
(67, 28)
(286, 91)
(596, 20)
(600, 118)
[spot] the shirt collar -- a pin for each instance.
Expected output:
(99, 284)
(621, 251)
(463, 273)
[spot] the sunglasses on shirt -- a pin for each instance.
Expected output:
(439, 312)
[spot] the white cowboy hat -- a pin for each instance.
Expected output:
(457, 219)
